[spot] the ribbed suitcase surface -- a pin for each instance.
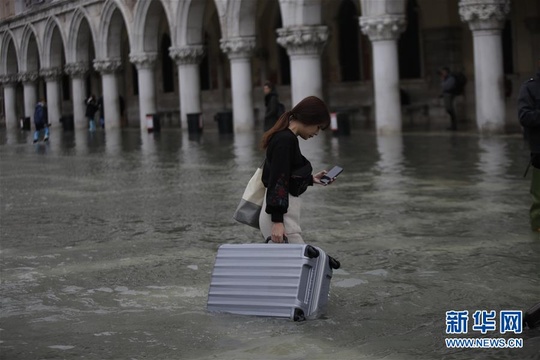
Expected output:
(280, 280)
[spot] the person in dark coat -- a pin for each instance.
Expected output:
(101, 109)
(448, 85)
(271, 103)
(91, 109)
(41, 121)
(122, 104)
(529, 118)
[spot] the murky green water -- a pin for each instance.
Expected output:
(108, 242)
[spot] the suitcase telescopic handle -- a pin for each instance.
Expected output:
(285, 239)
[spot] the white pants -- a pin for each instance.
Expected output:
(291, 221)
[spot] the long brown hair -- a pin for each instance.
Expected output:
(309, 111)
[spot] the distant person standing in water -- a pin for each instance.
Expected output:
(41, 121)
(271, 103)
(91, 109)
(448, 84)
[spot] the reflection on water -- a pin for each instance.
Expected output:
(390, 148)
(493, 157)
(113, 249)
(113, 142)
(244, 149)
(390, 165)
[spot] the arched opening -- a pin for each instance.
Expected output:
(507, 46)
(349, 44)
(272, 59)
(58, 60)
(204, 67)
(118, 47)
(33, 64)
(199, 25)
(284, 61)
(409, 44)
(213, 64)
(93, 79)
(167, 65)
(32, 55)
(156, 41)
(12, 67)
(11, 59)
(85, 52)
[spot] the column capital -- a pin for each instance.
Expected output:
(28, 76)
(191, 54)
(484, 14)
(238, 47)
(144, 60)
(76, 69)
(383, 27)
(52, 73)
(107, 66)
(303, 40)
(9, 79)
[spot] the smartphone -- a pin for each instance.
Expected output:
(335, 171)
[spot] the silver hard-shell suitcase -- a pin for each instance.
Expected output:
(279, 280)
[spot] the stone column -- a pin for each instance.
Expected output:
(187, 60)
(240, 50)
(111, 102)
(384, 31)
(304, 45)
(52, 81)
(486, 20)
(77, 72)
(30, 92)
(147, 93)
(10, 108)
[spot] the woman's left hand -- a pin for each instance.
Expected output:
(317, 177)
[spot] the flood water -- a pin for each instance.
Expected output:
(108, 242)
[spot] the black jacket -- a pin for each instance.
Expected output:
(40, 114)
(529, 114)
(286, 171)
(449, 85)
(91, 107)
(271, 102)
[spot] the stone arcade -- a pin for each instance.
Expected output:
(225, 49)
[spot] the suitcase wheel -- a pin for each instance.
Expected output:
(311, 252)
(334, 264)
(299, 315)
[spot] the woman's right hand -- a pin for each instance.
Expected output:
(278, 231)
(317, 177)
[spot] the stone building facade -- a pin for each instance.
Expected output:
(180, 57)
